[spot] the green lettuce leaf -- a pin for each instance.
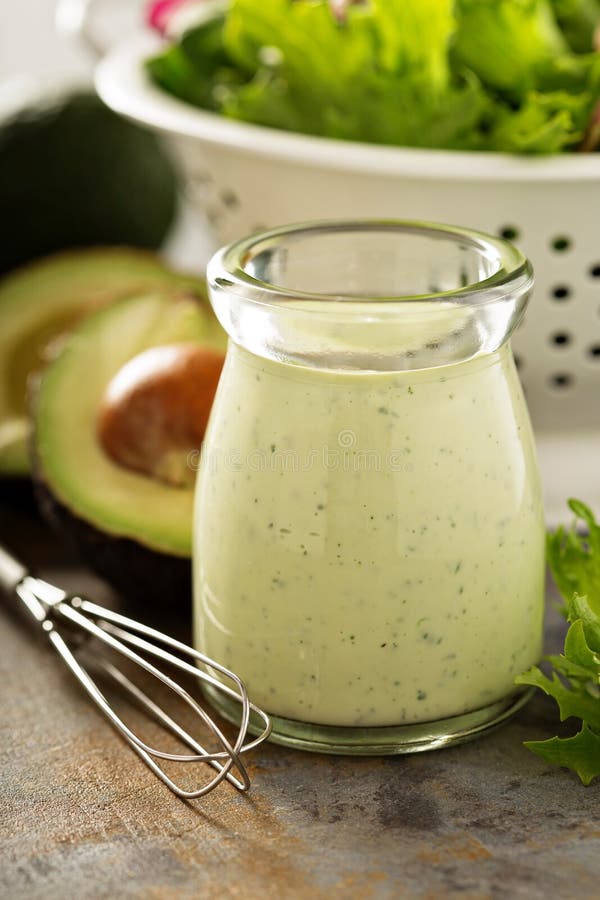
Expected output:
(414, 39)
(555, 115)
(574, 682)
(506, 42)
(544, 123)
(574, 558)
(580, 753)
(452, 74)
(575, 701)
(196, 67)
(578, 19)
(380, 74)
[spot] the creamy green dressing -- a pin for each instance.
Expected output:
(370, 547)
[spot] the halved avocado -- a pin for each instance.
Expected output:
(75, 174)
(44, 299)
(132, 529)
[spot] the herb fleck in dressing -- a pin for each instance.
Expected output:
(371, 546)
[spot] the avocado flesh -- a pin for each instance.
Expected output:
(69, 462)
(40, 302)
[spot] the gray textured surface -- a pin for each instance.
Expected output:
(82, 817)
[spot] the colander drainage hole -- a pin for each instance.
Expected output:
(230, 198)
(595, 270)
(561, 243)
(509, 232)
(594, 351)
(561, 339)
(561, 380)
(561, 292)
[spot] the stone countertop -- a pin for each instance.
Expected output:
(80, 816)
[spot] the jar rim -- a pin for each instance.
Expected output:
(227, 270)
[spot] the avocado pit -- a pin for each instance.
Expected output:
(155, 410)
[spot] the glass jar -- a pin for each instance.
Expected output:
(369, 536)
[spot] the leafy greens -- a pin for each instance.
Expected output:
(575, 678)
(512, 75)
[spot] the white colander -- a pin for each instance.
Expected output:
(247, 177)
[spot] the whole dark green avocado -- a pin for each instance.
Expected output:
(73, 174)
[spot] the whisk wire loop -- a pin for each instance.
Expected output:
(164, 719)
(104, 635)
(70, 622)
(198, 673)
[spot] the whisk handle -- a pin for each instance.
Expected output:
(12, 572)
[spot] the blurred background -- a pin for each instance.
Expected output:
(39, 49)
(29, 41)
(41, 58)
(74, 173)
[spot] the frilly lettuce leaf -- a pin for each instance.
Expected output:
(574, 558)
(380, 74)
(194, 68)
(544, 123)
(413, 39)
(574, 683)
(506, 42)
(580, 753)
(452, 74)
(578, 19)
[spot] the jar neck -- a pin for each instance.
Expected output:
(237, 354)
(419, 336)
(370, 296)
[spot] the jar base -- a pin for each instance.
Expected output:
(388, 740)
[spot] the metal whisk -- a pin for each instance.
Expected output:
(70, 622)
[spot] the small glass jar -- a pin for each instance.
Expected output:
(369, 536)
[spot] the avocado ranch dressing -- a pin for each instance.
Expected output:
(370, 546)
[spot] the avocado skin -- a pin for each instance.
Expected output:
(73, 174)
(141, 574)
(17, 492)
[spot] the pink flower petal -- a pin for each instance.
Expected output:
(160, 11)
